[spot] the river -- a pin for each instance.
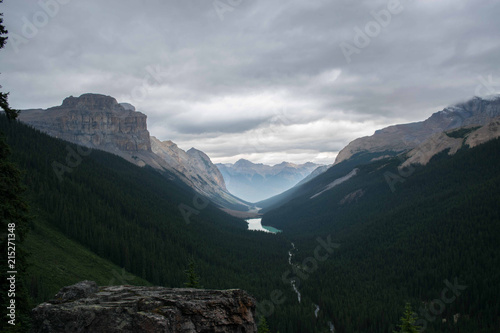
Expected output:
(255, 224)
(299, 296)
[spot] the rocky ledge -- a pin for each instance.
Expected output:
(85, 307)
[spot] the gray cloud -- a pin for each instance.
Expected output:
(269, 81)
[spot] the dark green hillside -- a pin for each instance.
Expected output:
(316, 184)
(57, 261)
(130, 217)
(441, 223)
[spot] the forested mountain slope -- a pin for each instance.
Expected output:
(402, 234)
(132, 217)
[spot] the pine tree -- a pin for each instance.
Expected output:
(14, 221)
(263, 328)
(14, 224)
(4, 104)
(408, 321)
(192, 277)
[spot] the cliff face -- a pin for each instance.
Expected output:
(194, 164)
(201, 161)
(95, 121)
(84, 307)
(477, 111)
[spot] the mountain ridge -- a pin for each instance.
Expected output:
(398, 138)
(100, 122)
(258, 181)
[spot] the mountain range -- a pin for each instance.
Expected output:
(407, 215)
(100, 122)
(398, 138)
(465, 124)
(255, 182)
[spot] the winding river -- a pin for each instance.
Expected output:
(294, 286)
(299, 296)
(255, 224)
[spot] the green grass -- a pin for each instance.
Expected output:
(56, 261)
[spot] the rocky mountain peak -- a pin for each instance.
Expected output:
(196, 152)
(91, 102)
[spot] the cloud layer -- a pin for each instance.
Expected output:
(265, 80)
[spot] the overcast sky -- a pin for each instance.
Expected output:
(266, 80)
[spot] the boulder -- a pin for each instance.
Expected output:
(84, 307)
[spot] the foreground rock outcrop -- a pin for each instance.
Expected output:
(85, 307)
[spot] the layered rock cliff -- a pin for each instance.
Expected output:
(95, 121)
(398, 138)
(85, 307)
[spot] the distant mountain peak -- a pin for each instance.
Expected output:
(286, 164)
(244, 163)
(195, 151)
(255, 182)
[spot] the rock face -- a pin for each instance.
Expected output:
(194, 164)
(477, 111)
(199, 172)
(255, 182)
(95, 121)
(201, 161)
(452, 141)
(84, 307)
